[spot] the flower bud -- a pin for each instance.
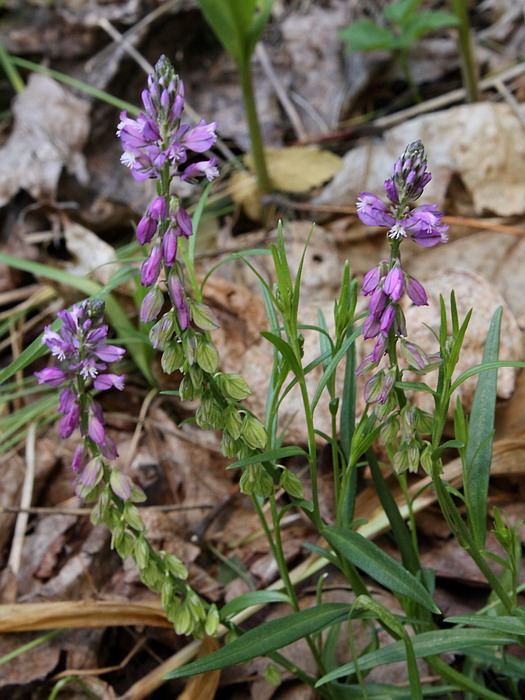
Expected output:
(151, 305)
(233, 385)
(253, 432)
(203, 317)
(291, 484)
(120, 484)
(207, 356)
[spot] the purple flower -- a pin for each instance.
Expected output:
(416, 291)
(378, 301)
(394, 282)
(106, 381)
(82, 349)
(424, 225)
(371, 327)
(169, 246)
(380, 346)
(387, 319)
(208, 168)
(179, 301)
(150, 269)
(51, 375)
(201, 137)
(373, 211)
(371, 280)
(184, 222)
(151, 305)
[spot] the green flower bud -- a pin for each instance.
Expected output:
(183, 621)
(120, 484)
(255, 481)
(212, 621)
(233, 385)
(162, 331)
(137, 494)
(166, 592)
(172, 357)
(141, 552)
(229, 446)
(175, 566)
(232, 422)
(207, 356)
(424, 422)
(189, 345)
(413, 456)
(426, 459)
(152, 577)
(389, 430)
(187, 391)
(124, 544)
(400, 461)
(203, 317)
(291, 483)
(253, 432)
(133, 517)
(273, 675)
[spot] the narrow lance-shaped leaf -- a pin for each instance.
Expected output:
(269, 637)
(480, 437)
(367, 556)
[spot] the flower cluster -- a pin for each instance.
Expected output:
(156, 146)
(157, 137)
(386, 283)
(81, 349)
(424, 224)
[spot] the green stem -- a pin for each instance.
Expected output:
(469, 69)
(250, 108)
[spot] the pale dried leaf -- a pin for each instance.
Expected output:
(50, 129)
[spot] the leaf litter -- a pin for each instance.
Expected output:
(52, 160)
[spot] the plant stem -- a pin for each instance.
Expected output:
(469, 69)
(259, 159)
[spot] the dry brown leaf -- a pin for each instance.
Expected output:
(293, 169)
(25, 617)
(204, 685)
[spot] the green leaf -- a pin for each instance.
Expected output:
(246, 600)
(230, 21)
(368, 557)
(268, 637)
(270, 456)
(366, 35)
(332, 366)
(284, 348)
(400, 12)
(426, 22)
(424, 644)
(507, 624)
(478, 456)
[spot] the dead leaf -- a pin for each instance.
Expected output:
(204, 685)
(294, 169)
(50, 130)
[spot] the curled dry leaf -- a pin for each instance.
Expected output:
(50, 129)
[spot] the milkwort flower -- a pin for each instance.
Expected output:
(83, 354)
(387, 282)
(157, 145)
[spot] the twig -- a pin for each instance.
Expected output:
(293, 116)
(139, 428)
(52, 510)
(15, 555)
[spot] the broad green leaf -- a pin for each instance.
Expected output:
(366, 35)
(478, 456)
(246, 600)
(368, 557)
(268, 637)
(425, 644)
(270, 456)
